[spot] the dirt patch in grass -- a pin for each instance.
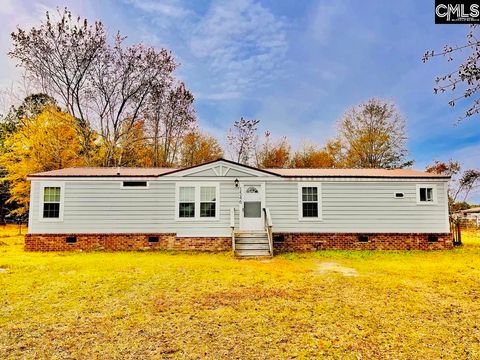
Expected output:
(336, 268)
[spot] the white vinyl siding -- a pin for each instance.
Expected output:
(346, 205)
(354, 206)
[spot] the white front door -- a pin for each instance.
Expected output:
(251, 207)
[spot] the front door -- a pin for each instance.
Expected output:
(251, 211)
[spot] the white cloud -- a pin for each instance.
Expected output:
(233, 47)
(242, 43)
(169, 8)
(323, 19)
(13, 14)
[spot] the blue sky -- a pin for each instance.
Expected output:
(295, 65)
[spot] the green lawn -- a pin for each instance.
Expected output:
(402, 305)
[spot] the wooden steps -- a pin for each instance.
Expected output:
(252, 244)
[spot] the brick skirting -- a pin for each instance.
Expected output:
(338, 241)
(291, 242)
(124, 242)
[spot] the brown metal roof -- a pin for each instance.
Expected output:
(329, 172)
(471, 210)
(104, 172)
(156, 172)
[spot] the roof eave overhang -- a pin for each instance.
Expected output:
(118, 177)
(367, 177)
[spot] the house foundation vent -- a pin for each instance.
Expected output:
(71, 239)
(363, 238)
(153, 239)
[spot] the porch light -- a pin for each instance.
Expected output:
(236, 183)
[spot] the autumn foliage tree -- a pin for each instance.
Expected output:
(312, 156)
(31, 106)
(273, 154)
(47, 141)
(373, 136)
(135, 151)
(199, 148)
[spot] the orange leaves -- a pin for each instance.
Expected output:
(276, 155)
(309, 156)
(44, 142)
(198, 148)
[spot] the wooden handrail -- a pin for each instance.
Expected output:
(232, 226)
(268, 228)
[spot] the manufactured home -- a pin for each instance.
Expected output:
(223, 205)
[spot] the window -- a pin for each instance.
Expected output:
(426, 194)
(134, 184)
(186, 206)
(51, 202)
(309, 201)
(197, 202)
(51, 195)
(208, 198)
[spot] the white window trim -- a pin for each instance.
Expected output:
(399, 192)
(134, 187)
(434, 194)
(300, 202)
(197, 187)
(43, 185)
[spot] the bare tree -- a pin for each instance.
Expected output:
(106, 86)
(373, 136)
(122, 81)
(171, 117)
(57, 57)
(466, 78)
(242, 140)
(469, 181)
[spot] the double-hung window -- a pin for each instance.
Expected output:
(208, 201)
(309, 204)
(426, 194)
(51, 206)
(197, 202)
(186, 205)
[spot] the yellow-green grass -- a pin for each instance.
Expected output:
(137, 305)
